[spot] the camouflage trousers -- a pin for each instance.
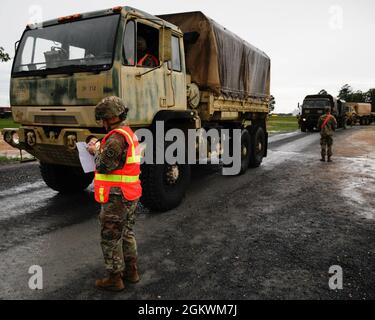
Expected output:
(326, 143)
(117, 220)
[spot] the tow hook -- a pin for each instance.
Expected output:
(31, 139)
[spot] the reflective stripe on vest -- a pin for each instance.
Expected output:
(134, 158)
(101, 194)
(116, 178)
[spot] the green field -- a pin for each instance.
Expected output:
(7, 123)
(282, 124)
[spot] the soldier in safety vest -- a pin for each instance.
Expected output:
(145, 58)
(327, 125)
(118, 190)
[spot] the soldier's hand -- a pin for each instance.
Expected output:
(93, 146)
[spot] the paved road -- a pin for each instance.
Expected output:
(270, 234)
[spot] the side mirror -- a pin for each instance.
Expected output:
(166, 44)
(16, 46)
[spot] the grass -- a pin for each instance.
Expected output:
(8, 123)
(7, 160)
(282, 124)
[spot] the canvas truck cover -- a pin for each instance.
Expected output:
(220, 61)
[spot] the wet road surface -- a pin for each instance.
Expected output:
(270, 234)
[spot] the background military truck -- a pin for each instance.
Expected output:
(351, 115)
(314, 107)
(362, 111)
(206, 77)
(5, 112)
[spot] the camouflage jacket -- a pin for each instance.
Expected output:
(330, 127)
(113, 156)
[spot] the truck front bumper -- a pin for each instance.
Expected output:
(53, 147)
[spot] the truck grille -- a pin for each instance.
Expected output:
(55, 120)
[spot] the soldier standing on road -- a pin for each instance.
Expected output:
(118, 190)
(327, 124)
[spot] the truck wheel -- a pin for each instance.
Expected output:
(164, 186)
(245, 151)
(303, 129)
(64, 179)
(258, 147)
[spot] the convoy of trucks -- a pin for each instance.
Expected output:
(206, 78)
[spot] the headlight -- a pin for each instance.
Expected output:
(15, 139)
(8, 137)
(304, 120)
(12, 138)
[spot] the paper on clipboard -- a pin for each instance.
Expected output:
(87, 159)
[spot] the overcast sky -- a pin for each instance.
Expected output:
(312, 44)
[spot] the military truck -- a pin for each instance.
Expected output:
(5, 112)
(314, 107)
(206, 77)
(362, 111)
(351, 115)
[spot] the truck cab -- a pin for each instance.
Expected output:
(314, 107)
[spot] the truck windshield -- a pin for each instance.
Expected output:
(316, 104)
(70, 47)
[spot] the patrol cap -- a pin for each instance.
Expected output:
(110, 107)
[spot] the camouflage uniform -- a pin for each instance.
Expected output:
(117, 217)
(326, 133)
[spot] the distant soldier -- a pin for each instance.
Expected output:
(118, 190)
(327, 125)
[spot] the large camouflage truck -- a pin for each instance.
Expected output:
(362, 111)
(206, 77)
(314, 107)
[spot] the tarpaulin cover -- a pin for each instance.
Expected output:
(221, 61)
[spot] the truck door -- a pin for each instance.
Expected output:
(142, 75)
(176, 82)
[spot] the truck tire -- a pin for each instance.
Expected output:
(245, 151)
(164, 186)
(303, 129)
(64, 179)
(258, 147)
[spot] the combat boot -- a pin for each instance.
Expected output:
(329, 159)
(113, 283)
(323, 159)
(131, 271)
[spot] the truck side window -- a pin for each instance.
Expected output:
(176, 55)
(129, 44)
(147, 46)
